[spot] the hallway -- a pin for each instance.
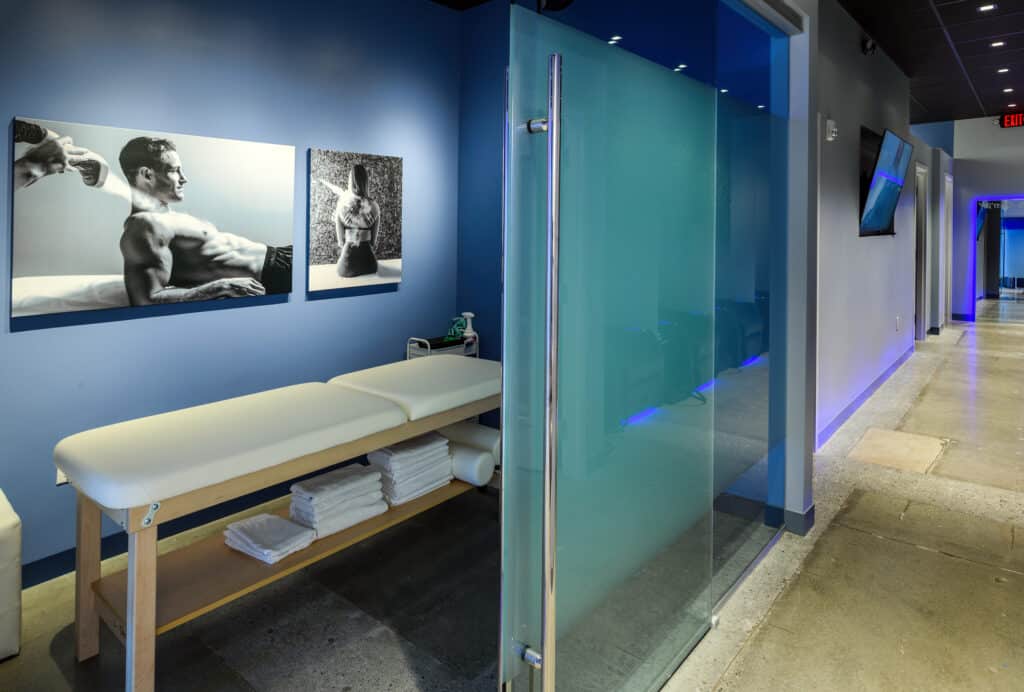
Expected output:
(913, 577)
(974, 400)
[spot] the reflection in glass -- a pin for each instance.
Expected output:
(749, 295)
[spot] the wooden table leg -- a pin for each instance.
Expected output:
(87, 571)
(140, 637)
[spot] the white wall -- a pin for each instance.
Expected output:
(864, 284)
(989, 164)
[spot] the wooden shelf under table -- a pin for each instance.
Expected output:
(206, 575)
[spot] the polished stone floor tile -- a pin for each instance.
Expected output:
(916, 523)
(992, 463)
(873, 612)
(898, 450)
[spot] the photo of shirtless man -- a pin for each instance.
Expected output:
(172, 257)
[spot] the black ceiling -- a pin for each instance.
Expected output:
(460, 4)
(945, 47)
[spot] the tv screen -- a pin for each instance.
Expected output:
(882, 182)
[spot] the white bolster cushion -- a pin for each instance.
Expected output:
(158, 457)
(425, 386)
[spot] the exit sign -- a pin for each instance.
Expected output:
(1011, 120)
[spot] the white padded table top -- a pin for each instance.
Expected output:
(425, 386)
(151, 459)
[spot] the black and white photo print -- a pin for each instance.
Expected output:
(107, 218)
(355, 220)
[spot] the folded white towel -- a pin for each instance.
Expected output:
(343, 520)
(413, 494)
(391, 466)
(336, 483)
(267, 537)
(328, 502)
(307, 517)
(426, 477)
(241, 546)
(414, 447)
(417, 471)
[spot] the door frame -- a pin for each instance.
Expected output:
(947, 240)
(922, 200)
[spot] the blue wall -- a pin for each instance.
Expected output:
(380, 77)
(484, 53)
(937, 135)
(1013, 249)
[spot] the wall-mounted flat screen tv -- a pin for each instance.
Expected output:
(884, 163)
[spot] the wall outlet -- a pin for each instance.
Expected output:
(899, 322)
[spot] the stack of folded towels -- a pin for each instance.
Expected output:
(267, 537)
(336, 500)
(413, 468)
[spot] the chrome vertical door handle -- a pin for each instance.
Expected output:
(551, 369)
(552, 125)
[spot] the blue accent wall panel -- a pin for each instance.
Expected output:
(481, 130)
(938, 135)
(378, 77)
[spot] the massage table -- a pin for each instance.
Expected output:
(146, 472)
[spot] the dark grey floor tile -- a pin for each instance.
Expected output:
(297, 635)
(183, 663)
(434, 580)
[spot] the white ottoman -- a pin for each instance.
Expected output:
(10, 579)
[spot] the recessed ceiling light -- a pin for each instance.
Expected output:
(613, 43)
(1011, 105)
(724, 91)
(616, 37)
(1003, 70)
(760, 107)
(986, 8)
(998, 44)
(682, 66)
(1008, 90)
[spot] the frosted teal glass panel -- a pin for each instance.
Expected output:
(522, 412)
(636, 338)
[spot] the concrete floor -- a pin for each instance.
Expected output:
(909, 580)
(974, 402)
(872, 610)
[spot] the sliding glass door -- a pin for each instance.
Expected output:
(610, 357)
